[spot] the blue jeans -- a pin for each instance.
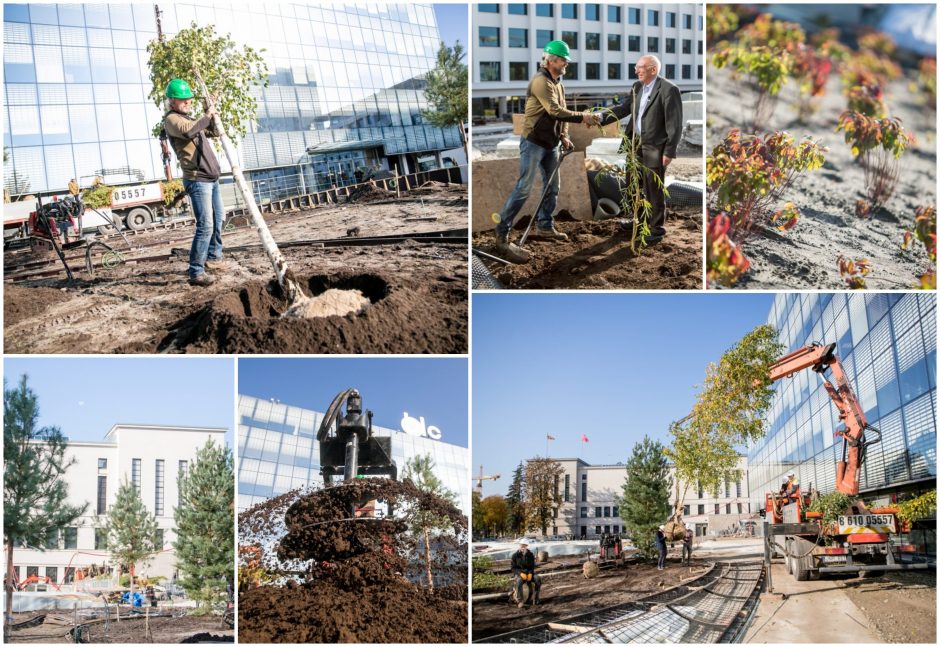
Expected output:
(662, 557)
(532, 157)
(210, 214)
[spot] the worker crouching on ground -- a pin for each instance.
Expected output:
(544, 133)
(655, 109)
(523, 570)
(661, 546)
(687, 546)
(190, 140)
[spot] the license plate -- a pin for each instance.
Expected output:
(867, 523)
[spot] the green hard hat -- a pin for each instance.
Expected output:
(178, 89)
(558, 48)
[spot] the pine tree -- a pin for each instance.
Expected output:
(514, 499)
(130, 530)
(205, 521)
(645, 501)
(34, 493)
(446, 90)
(420, 470)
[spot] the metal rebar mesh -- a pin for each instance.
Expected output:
(481, 277)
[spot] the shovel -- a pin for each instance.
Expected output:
(297, 301)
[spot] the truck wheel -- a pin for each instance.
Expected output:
(138, 218)
(802, 573)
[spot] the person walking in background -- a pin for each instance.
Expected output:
(661, 546)
(687, 546)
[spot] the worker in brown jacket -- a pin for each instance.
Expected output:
(190, 140)
(544, 131)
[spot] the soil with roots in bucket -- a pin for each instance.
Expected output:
(333, 578)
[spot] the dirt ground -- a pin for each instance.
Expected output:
(332, 579)
(565, 595)
(806, 256)
(901, 605)
(164, 630)
(417, 290)
(598, 256)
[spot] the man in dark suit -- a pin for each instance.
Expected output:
(655, 107)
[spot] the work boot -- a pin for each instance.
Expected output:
(550, 233)
(510, 251)
(203, 280)
(214, 263)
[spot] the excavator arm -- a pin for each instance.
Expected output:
(822, 360)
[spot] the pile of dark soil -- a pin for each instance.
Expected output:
(206, 637)
(366, 578)
(21, 303)
(426, 314)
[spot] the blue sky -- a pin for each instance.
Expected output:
(86, 396)
(614, 367)
(452, 23)
(432, 388)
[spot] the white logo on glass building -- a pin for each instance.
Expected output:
(416, 427)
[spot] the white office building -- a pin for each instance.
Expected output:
(278, 450)
(151, 457)
(589, 497)
(606, 40)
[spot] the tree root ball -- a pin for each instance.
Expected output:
(590, 570)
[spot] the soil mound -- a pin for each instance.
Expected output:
(397, 316)
(20, 303)
(206, 637)
(365, 579)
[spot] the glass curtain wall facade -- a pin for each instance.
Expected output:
(888, 345)
(345, 84)
(278, 451)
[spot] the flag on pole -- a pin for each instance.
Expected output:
(584, 438)
(549, 436)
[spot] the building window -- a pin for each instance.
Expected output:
(592, 12)
(180, 473)
(670, 19)
(652, 18)
(518, 37)
(52, 540)
(686, 71)
(567, 488)
(632, 69)
(687, 21)
(701, 23)
(489, 71)
(569, 11)
(727, 508)
(584, 513)
(634, 15)
(71, 538)
(606, 529)
(489, 36)
(545, 10)
(32, 571)
(571, 38)
(543, 37)
(583, 491)
(158, 539)
(517, 9)
(687, 509)
(740, 508)
(701, 508)
(101, 539)
(613, 71)
(737, 488)
(158, 488)
(652, 44)
(135, 474)
(606, 510)
(613, 42)
(597, 511)
(616, 511)
(633, 43)
(717, 509)
(102, 463)
(616, 529)
(52, 573)
(686, 46)
(592, 71)
(597, 530)
(571, 72)
(701, 491)
(592, 41)
(700, 47)
(727, 489)
(102, 494)
(670, 45)
(488, 8)
(671, 74)
(69, 576)
(613, 13)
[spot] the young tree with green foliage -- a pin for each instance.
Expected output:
(231, 74)
(205, 522)
(130, 530)
(729, 412)
(420, 471)
(446, 91)
(644, 503)
(476, 513)
(495, 514)
(35, 494)
(541, 491)
(515, 500)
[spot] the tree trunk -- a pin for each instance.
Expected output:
(9, 592)
(463, 138)
(427, 555)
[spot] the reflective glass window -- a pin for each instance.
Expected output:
(489, 36)
(543, 37)
(518, 37)
(592, 41)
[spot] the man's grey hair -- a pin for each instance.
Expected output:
(654, 60)
(546, 58)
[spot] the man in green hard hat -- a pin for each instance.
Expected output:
(544, 133)
(190, 139)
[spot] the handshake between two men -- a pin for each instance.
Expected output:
(591, 119)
